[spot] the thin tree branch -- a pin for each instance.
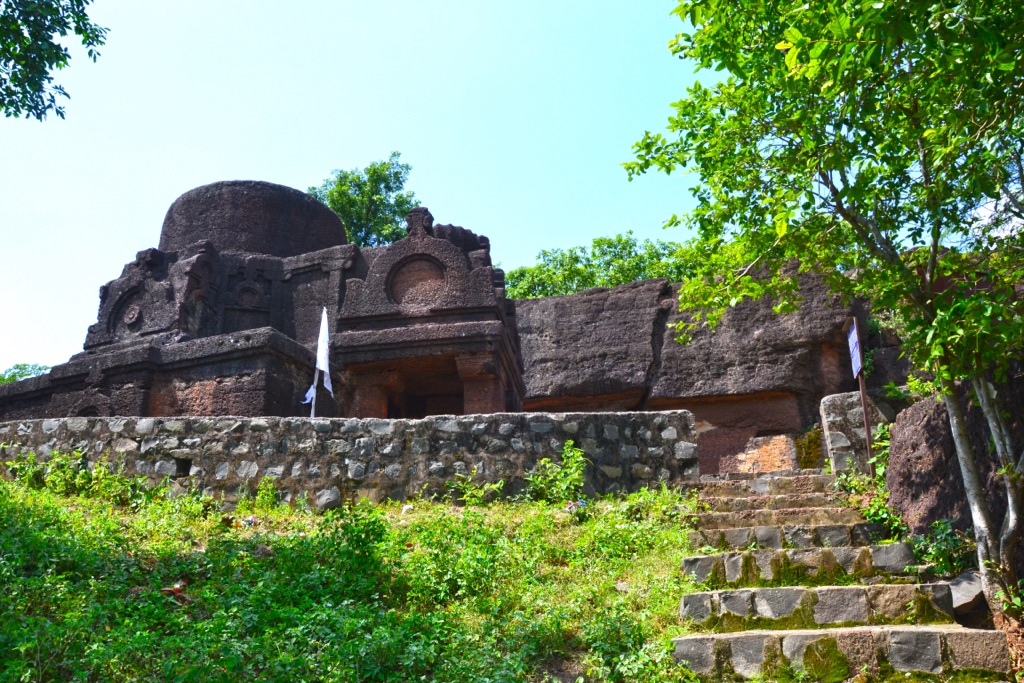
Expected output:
(933, 247)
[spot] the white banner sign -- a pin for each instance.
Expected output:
(854, 340)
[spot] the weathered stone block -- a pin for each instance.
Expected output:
(748, 654)
(890, 602)
(738, 602)
(841, 605)
(166, 468)
(697, 653)
(327, 499)
(775, 603)
(893, 558)
(842, 420)
(799, 536)
(356, 470)
(699, 568)
(809, 559)
(978, 649)
(736, 538)
(834, 535)
(867, 533)
(733, 567)
(911, 650)
(696, 607)
(765, 561)
(247, 469)
(768, 537)
(939, 596)
(847, 557)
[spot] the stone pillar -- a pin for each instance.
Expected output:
(482, 389)
(842, 421)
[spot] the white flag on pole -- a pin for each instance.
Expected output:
(323, 347)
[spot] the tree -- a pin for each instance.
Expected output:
(609, 262)
(20, 371)
(878, 143)
(29, 52)
(370, 202)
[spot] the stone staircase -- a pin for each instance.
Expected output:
(798, 587)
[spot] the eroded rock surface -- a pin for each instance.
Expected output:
(759, 374)
(594, 349)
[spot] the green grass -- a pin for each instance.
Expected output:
(169, 589)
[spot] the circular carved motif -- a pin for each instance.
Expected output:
(419, 282)
(132, 314)
(248, 297)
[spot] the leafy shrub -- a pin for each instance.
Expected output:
(558, 482)
(869, 492)
(949, 551)
(454, 556)
(27, 470)
(612, 635)
(267, 497)
(472, 493)
(70, 474)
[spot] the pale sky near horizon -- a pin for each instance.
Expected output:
(515, 117)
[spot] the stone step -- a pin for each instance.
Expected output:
(749, 568)
(839, 653)
(793, 536)
(785, 501)
(765, 485)
(791, 517)
(813, 607)
(767, 474)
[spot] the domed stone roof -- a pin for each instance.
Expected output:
(251, 216)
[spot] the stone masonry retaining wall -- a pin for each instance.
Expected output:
(378, 459)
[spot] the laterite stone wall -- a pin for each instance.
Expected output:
(329, 459)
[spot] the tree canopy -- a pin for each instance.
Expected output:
(878, 143)
(371, 202)
(20, 371)
(30, 51)
(609, 262)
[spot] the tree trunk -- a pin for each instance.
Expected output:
(1002, 439)
(989, 560)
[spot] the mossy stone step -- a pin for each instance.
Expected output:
(821, 606)
(834, 655)
(784, 501)
(766, 474)
(795, 516)
(765, 485)
(793, 536)
(754, 567)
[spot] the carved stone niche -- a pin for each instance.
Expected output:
(428, 330)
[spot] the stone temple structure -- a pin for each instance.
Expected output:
(222, 319)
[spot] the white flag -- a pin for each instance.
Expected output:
(323, 348)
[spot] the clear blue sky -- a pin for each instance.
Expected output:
(515, 117)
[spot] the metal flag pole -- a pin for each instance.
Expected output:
(857, 359)
(316, 379)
